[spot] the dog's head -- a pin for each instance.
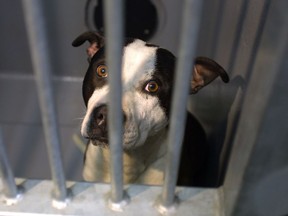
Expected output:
(147, 76)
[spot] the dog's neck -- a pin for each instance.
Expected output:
(143, 164)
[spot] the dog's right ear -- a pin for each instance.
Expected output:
(204, 72)
(95, 39)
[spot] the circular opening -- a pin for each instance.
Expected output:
(141, 18)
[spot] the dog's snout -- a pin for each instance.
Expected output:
(100, 116)
(98, 124)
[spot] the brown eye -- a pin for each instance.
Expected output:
(102, 71)
(152, 86)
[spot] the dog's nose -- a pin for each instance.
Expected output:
(100, 116)
(98, 123)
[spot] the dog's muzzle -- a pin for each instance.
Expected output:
(97, 126)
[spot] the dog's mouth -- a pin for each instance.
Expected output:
(129, 142)
(99, 137)
(99, 141)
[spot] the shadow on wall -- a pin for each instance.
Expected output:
(213, 109)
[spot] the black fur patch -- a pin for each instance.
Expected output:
(91, 80)
(165, 66)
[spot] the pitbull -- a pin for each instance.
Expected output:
(148, 72)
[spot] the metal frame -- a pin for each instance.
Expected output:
(93, 199)
(247, 147)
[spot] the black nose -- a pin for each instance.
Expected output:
(98, 124)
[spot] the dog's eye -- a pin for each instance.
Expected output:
(102, 71)
(152, 86)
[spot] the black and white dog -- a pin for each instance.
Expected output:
(147, 76)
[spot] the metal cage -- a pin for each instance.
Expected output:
(253, 159)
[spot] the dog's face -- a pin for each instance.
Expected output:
(147, 80)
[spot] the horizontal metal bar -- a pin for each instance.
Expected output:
(6, 175)
(10, 75)
(190, 28)
(87, 201)
(114, 35)
(39, 47)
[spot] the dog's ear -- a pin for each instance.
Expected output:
(205, 70)
(95, 39)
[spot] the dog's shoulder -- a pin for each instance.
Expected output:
(194, 154)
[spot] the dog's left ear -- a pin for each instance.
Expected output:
(95, 39)
(204, 72)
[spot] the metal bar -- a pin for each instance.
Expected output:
(114, 35)
(216, 32)
(87, 202)
(9, 185)
(38, 41)
(237, 37)
(190, 28)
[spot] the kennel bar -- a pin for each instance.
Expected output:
(38, 41)
(114, 33)
(190, 28)
(10, 190)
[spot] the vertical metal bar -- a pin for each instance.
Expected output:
(217, 25)
(237, 37)
(38, 41)
(9, 186)
(190, 27)
(114, 35)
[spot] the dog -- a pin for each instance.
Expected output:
(148, 73)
